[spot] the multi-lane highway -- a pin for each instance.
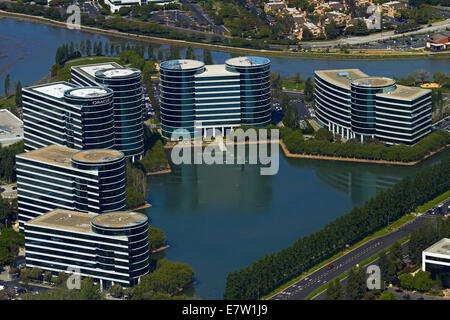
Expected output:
(304, 287)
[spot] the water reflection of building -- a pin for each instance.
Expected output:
(358, 185)
(227, 185)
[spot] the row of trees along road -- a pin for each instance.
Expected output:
(275, 269)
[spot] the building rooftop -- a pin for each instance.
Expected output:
(89, 70)
(371, 82)
(216, 70)
(440, 247)
(55, 155)
(405, 93)
(89, 92)
(121, 219)
(97, 155)
(342, 77)
(247, 61)
(11, 128)
(117, 73)
(65, 219)
(181, 64)
(53, 90)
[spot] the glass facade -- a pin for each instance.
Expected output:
(363, 102)
(217, 96)
(177, 99)
(255, 89)
(107, 254)
(126, 83)
(47, 184)
(371, 107)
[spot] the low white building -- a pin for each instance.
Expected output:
(115, 5)
(437, 255)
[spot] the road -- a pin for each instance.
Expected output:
(437, 26)
(304, 287)
(400, 295)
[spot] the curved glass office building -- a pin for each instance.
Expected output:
(177, 99)
(132, 225)
(96, 118)
(195, 96)
(363, 102)
(126, 84)
(110, 168)
(110, 248)
(354, 105)
(255, 88)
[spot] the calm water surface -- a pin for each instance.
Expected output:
(221, 218)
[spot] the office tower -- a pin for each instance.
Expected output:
(64, 114)
(59, 177)
(195, 96)
(126, 84)
(355, 105)
(112, 248)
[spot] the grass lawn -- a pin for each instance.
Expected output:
(63, 74)
(291, 85)
(430, 204)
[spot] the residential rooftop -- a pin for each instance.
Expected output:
(440, 247)
(121, 219)
(97, 155)
(53, 154)
(341, 77)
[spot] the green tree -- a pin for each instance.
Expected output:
(423, 281)
(156, 238)
(7, 84)
(116, 290)
(190, 53)
(18, 94)
(388, 295)
(335, 291)
(291, 118)
(309, 89)
(207, 57)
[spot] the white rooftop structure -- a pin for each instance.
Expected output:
(437, 254)
(247, 61)
(88, 92)
(92, 69)
(181, 64)
(216, 70)
(55, 90)
(118, 72)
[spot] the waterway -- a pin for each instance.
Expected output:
(27, 51)
(223, 217)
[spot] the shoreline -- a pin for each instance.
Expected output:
(167, 246)
(320, 56)
(144, 206)
(288, 154)
(154, 173)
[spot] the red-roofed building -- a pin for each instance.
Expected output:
(439, 41)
